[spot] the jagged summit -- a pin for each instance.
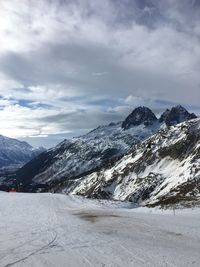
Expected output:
(176, 115)
(164, 115)
(140, 115)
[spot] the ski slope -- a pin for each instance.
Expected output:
(58, 230)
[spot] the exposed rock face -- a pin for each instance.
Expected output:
(176, 115)
(140, 115)
(164, 115)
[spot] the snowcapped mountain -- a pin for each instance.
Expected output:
(164, 169)
(15, 153)
(176, 115)
(79, 156)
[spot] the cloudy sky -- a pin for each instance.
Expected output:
(67, 66)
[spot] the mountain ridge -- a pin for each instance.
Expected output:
(164, 169)
(76, 157)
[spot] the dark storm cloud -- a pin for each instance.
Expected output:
(51, 67)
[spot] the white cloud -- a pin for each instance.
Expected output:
(65, 54)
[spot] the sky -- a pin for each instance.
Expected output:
(67, 66)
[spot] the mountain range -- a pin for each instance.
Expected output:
(144, 159)
(15, 153)
(69, 165)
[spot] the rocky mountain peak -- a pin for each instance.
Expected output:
(176, 115)
(140, 115)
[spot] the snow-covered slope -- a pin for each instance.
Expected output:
(163, 169)
(15, 153)
(51, 230)
(78, 156)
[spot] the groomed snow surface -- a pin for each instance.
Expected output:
(58, 230)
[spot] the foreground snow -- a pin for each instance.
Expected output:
(58, 230)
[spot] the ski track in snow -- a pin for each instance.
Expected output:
(57, 230)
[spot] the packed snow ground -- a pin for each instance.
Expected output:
(57, 230)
